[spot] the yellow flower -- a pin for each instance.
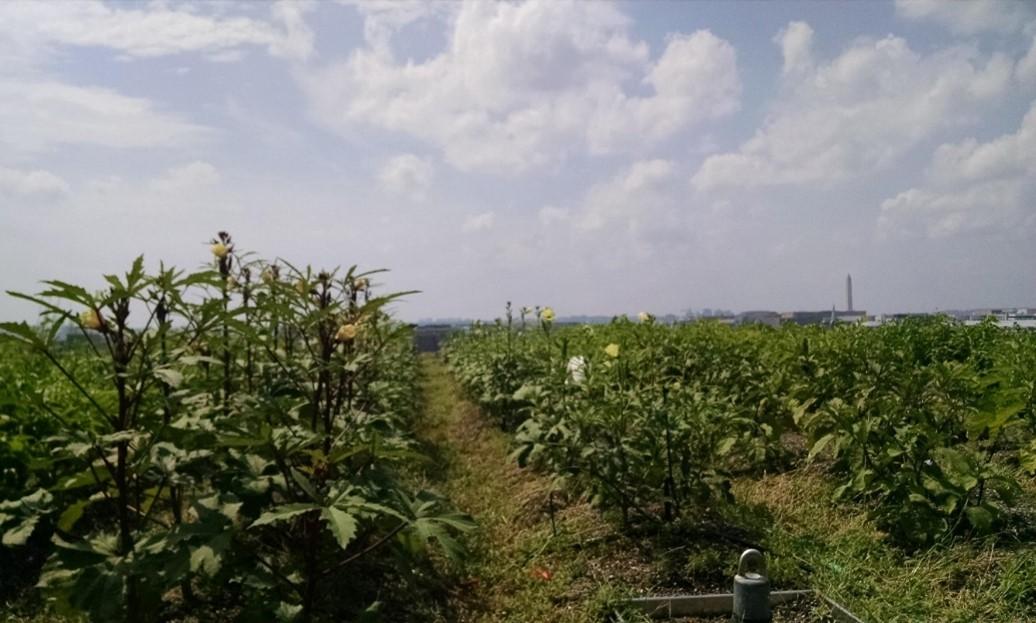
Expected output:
(346, 333)
(90, 319)
(547, 315)
(612, 350)
(643, 316)
(219, 249)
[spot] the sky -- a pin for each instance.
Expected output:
(598, 158)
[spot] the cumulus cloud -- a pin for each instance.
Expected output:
(523, 85)
(632, 199)
(858, 112)
(407, 175)
(31, 183)
(156, 29)
(970, 17)
(972, 187)
(40, 114)
(796, 42)
(384, 18)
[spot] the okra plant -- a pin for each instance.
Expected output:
(927, 423)
(241, 445)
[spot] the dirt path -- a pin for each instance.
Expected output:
(519, 569)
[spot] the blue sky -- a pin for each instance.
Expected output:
(600, 158)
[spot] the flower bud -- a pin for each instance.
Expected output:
(360, 284)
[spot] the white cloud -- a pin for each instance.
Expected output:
(1025, 70)
(384, 18)
(796, 43)
(523, 85)
(38, 115)
(972, 187)
(970, 17)
(155, 29)
(858, 112)
(630, 199)
(478, 222)
(549, 215)
(192, 175)
(31, 183)
(996, 207)
(407, 175)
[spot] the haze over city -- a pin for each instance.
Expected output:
(599, 158)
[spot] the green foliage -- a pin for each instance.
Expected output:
(216, 434)
(913, 415)
(927, 421)
(631, 414)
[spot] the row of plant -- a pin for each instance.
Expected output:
(223, 443)
(928, 422)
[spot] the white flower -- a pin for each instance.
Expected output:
(577, 369)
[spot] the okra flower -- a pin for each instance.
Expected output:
(547, 315)
(612, 350)
(577, 369)
(346, 333)
(219, 249)
(91, 319)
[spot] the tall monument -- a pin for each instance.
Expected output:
(849, 291)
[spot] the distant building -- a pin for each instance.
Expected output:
(769, 318)
(825, 317)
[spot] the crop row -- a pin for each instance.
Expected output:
(224, 443)
(927, 422)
